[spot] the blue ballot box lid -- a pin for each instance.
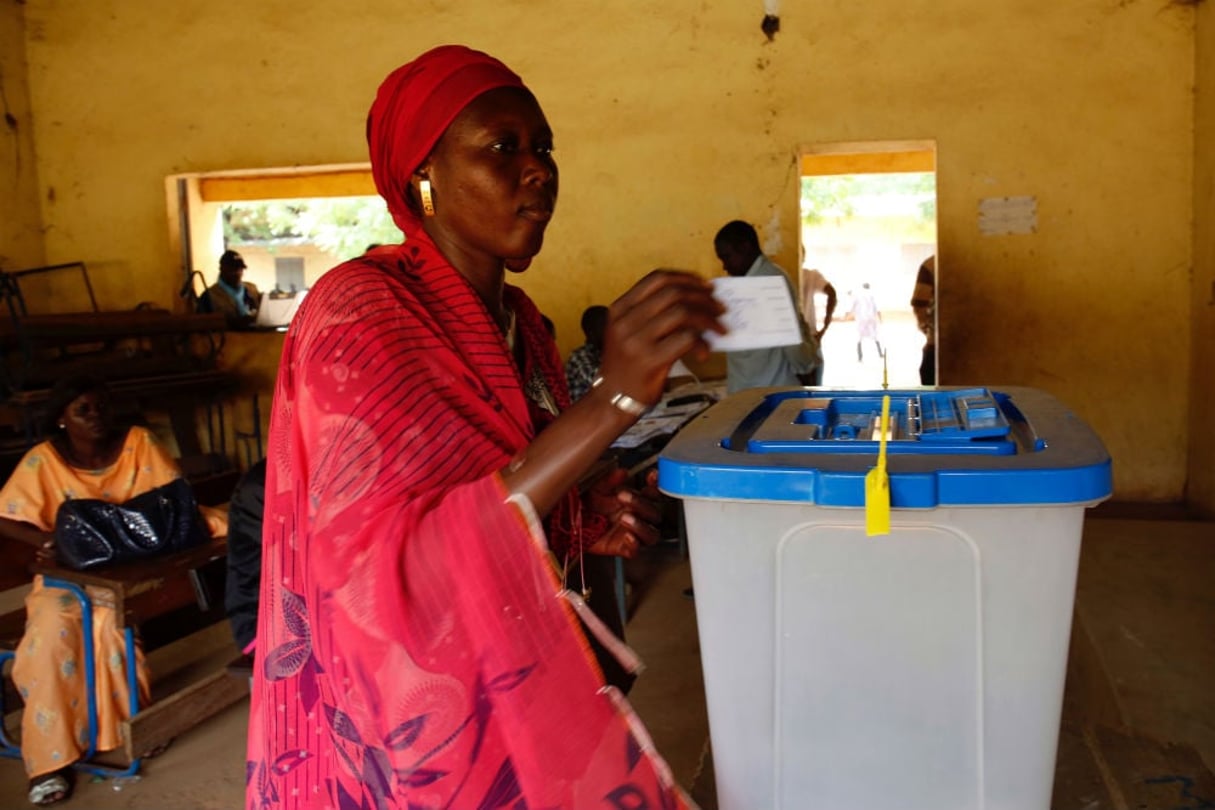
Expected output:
(945, 447)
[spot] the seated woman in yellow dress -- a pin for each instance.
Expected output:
(85, 457)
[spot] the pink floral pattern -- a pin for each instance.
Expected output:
(414, 652)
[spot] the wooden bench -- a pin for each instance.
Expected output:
(154, 361)
(196, 689)
(37, 350)
(150, 587)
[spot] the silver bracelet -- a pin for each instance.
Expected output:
(623, 401)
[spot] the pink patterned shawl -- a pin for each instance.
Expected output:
(414, 649)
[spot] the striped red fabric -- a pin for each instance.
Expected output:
(413, 648)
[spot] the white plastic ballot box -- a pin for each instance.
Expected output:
(921, 669)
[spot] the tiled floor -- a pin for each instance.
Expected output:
(1139, 714)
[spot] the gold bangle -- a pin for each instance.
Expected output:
(622, 401)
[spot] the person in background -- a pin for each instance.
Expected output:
(737, 247)
(813, 283)
(244, 561)
(865, 312)
(923, 303)
(415, 644)
(86, 456)
(582, 367)
(237, 300)
(596, 574)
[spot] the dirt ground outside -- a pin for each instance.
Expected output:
(901, 341)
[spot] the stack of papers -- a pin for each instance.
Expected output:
(665, 419)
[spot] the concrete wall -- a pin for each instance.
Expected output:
(1200, 492)
(673, 118)
(20, 215)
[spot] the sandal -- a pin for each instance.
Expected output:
(50, 788)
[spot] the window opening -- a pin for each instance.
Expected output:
(288, 274)
(290, 225)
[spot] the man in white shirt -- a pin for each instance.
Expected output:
(812, 283)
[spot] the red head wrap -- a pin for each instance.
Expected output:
(412, 110)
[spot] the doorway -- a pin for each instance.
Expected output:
(868, 221)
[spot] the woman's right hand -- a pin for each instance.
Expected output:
(659, 320)
(652, 325)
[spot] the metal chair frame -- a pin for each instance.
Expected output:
(13, 750)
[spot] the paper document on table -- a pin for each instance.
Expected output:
(649, 428)
(759, 314)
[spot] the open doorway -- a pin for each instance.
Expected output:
(868, 222)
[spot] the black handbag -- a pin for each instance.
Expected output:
(90, 533)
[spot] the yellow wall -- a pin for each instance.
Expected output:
(1201, 486)
(20, 217)
(673, 118)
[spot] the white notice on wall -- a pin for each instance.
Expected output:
(759, 314)
(1008, 215)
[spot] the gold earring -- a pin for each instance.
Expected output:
(428, 201)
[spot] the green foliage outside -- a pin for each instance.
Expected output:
(900, 206)
(341, 226)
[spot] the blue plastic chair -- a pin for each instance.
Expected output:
(13, 750)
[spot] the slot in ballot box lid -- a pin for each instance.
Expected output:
(957, 446)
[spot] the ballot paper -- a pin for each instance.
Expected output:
(759, 314)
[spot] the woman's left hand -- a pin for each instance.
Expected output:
(633, 515)
(45, 555)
